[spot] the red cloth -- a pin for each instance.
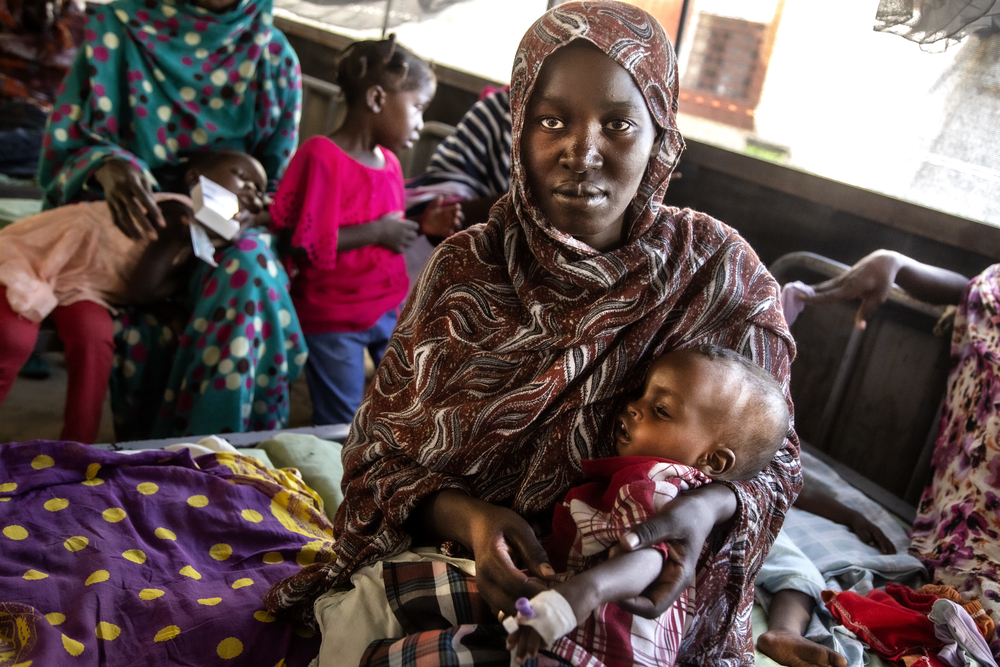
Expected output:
(323, 190)
(893, 622)
(86, 331)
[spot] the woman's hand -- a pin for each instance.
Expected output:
(502, 542)
(870, 280)
(130, 199)
(684, 525)
(396, 232)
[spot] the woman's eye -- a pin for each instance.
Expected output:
(551, 123)
(619, 125)
(663, 412)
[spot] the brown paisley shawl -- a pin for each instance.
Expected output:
(519, 344)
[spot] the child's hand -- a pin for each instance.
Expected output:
(871, 534)
(396, 232)
(524, 643)
(440, 220)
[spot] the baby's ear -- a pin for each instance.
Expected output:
(191, 176)
(717, 462)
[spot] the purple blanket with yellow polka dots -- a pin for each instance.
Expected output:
(150, 558)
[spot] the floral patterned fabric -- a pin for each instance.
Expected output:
(957, 530)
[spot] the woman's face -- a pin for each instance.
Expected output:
(587, 139)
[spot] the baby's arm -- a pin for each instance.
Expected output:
(621, 577)
(830, 508)
(158, 276)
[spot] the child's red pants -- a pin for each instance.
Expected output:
(85, 329)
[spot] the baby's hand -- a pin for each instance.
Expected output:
(440, 220)
(396, 232)
(524, 643)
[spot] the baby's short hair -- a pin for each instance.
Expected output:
(380, 62)
(760, 428)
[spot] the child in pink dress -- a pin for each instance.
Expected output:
(72, 263)
(705, 414)
(340, 204)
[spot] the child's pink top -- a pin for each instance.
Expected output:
(323, 190)
(68, 254)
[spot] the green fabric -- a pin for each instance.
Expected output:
(12, 210)
(156, 80)
(317, 460)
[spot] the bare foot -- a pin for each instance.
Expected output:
(788, 648)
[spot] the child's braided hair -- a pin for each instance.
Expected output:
(379, 62)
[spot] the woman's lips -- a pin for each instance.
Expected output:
(579, 194)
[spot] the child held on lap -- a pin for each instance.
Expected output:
(340, 204)
(74, 264)
(705, 413)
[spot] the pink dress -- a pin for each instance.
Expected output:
(68, 254)
(323, 190)
(624, 491)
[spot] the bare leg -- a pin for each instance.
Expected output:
(783, 642)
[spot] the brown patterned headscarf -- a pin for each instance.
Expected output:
(519, 342)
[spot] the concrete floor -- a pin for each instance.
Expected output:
(34, 408)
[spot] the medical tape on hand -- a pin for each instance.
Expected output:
(553, 619)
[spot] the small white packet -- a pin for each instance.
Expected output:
(214, 207)
(203, 248)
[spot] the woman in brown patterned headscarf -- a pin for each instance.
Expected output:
(524, 335)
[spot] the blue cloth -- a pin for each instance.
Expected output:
(335, 370)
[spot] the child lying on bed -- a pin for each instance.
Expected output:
(705, 413)
(73, 262)
(794, 597)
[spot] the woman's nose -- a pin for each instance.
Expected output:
(582, 153)
(633, 409)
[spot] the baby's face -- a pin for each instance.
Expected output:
(686, 404)
(242, 175)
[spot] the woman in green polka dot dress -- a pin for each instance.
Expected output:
(156, 80)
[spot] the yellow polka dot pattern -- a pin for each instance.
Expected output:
(135, 555)
(55, 618)
(209, 602)
(165, 534)
(229, 648)
(76, 543)
(92, 470)
(242, 583)
(253, 516)
(34, 575)
(220, 551)
(147, 488)
(107, 631)
(113, 514)
(98, 577)
(42, 461)
(8, 486)
(150, 593)
(189, 571)
(93, 482)
(167, 633)
(273, 558)
(15, 532)
(197, 501)
(73, 647)
(56, 504)
(263, 616)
